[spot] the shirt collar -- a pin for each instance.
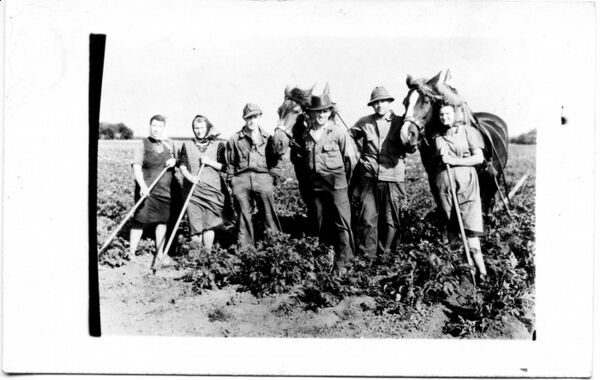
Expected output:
(243, 134)
(328, 128)
(451, 132)
(386, 118)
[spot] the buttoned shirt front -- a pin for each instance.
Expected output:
(380, 149)
(245, 153)
(330, 158)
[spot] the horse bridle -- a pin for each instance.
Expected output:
(419, 125)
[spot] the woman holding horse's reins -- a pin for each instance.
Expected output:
(461, 146)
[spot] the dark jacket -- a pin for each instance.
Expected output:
(381, 152)
(242, 155)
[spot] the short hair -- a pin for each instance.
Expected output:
(158, 118)
(446, 103)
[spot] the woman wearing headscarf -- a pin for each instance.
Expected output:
(461, 146)
(154, 154)
(206, 209)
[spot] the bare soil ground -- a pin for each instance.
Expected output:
(135, 301)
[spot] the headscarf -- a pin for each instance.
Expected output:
(208, 137)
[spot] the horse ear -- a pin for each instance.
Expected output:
(447, 77)
(443, 75)
(435, 80)
(287, 91)
(448, 80)
(326, 89)
(410, 81)
(312, 88)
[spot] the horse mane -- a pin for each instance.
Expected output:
(450, 95)
(424, 88)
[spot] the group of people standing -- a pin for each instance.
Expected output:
(353, 180)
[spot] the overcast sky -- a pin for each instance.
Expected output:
(211, 58)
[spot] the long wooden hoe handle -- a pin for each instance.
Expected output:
(460, 224)
(342, 120)
(130, 213)
(183, 209)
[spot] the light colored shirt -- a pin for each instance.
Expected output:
(330, 158)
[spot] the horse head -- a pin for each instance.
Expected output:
(419, 105)
(422, 104)
(295, 102)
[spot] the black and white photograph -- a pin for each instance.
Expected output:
(383, 177)
(290, 185)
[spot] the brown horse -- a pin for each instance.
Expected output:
(421, 122)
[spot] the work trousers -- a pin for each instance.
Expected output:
(332, 211)
(378, 215)
(247, 188)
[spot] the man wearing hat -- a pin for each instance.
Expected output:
(329, 157)
(252, 168)
(380, 188)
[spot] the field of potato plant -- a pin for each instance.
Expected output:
(285, 288)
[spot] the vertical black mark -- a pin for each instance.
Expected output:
(97, 46)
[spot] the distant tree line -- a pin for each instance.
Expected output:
(110, 131)
(525, 138)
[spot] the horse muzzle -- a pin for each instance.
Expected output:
(409, 134)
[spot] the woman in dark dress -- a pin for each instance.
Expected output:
(153, 155)
(206, 208)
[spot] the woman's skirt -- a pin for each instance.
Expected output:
(206, 209)
(469, 199)
(156, 208)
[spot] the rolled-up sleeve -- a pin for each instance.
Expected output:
(475, 139)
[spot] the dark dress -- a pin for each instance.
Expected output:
(206, 209)
(156, 208)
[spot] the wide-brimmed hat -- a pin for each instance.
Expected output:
(318, 103)
(251, 109)
(380, 93)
